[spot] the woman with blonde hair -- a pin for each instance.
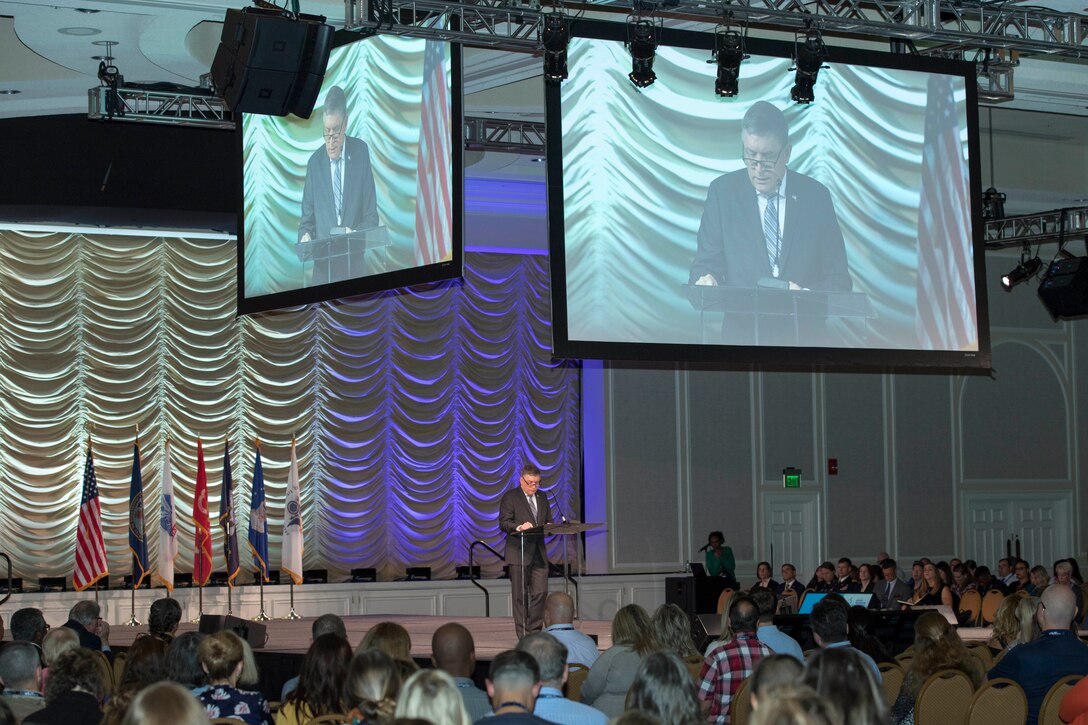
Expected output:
(672, 627)
(931, 590)
(1014, 621)
(371, 688)
(432, 695)
(611, 675)
(795, 705)
(937, 646)
(222, 657)
(165, 703)
(726, 635)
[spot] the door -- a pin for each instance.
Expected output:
(791, 526)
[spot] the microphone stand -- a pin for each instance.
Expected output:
(261, 616)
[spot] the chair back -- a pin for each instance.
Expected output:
(982, 652)
(943, 698)
(119, 666)
(971, 603)
(722, 599)
(905, 659)
(990, 603)
(107, 670)
(891, 681)
(999, 700)
(576, 677)
(1048, 712)
(694, 663)
(740, 707)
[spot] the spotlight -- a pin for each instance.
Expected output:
(729, 53)
(809, 58)
(554, 38)
(1021, 273)
(993, 204)
(642, 42)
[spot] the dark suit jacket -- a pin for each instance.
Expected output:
(86, 638)
(901, 592)
(731, 245)
(513, 512)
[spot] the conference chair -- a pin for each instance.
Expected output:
(970, 607)
(982, 652)
(999, 700)
(740, 707)
(694, 663)
(1048, 712)
(891, 681)
(723, 599)
(119, 665)
(103, 663)
(576, 677)
(990, 603)
(943, 698)
(905, 659)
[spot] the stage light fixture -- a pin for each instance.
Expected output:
(1028, 268)
(642, 42)
(993, 203)
(729, 54)
(554, 38)
(809, 57)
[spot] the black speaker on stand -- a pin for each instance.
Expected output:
(271, 62)
(1064, 289)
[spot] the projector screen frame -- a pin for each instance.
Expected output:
(386, 281)
(772, 356)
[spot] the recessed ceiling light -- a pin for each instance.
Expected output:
(104, 42)
(79, 31)
(9, 91)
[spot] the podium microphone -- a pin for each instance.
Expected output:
(563, 519)
(705, 547)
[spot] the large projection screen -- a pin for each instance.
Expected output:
(878, 227)
(389, 214)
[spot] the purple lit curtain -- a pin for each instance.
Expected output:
(413, 412)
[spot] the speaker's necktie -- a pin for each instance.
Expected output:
(338, 190)
(770, 232)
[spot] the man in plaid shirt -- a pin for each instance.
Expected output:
(728, 665)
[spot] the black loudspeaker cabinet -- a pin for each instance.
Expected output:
(271, 64)
(1064, 289)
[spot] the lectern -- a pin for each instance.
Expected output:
(341, 256)
(566, 529)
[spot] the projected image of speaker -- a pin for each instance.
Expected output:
(1064, 289)
(271, 63)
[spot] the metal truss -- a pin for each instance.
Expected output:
(513, 24)
(1036, 228)
(176, 108)
(493, 134)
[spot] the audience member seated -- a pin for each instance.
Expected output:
(221, 656)
(945, 572)
(319, 690)
(915, 574)
(551, 659)
(844, 680)
(454, 652)
(1022, 570)
(771, 672)
(663, 688)
(57, 642)
(932, 591)
(728, 665)
(672, 629)
(394, 640)
(372, 686)
(512, 684)
(559, 622)
(145, 664)
(74, 692)
(1063, 574)
(892, 589)
(21, 673)
(1037, 665)
(862, 628)
(937, 646)
(1074, 709)
(1014, 622)
(1040, 579)
(431, 696)
(770, 635)
(868, 576)
(790, 590)
(325, 624)
(824, 580)
(611, 675)
(986, 581)
(94, 632)
(830, 622)
(843, 582)
(183, 662)
(962, 581)
(794, 705)
(162, 621)
(28, 625)
(165, 703)
(763, 578)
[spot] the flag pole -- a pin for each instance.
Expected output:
(132, 621)
(230, 590)
(261, 617)
(293, 614)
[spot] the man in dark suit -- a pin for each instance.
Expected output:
(767, 223)
(892, 589)
(521, 508)
(85, 618)
(338, 196)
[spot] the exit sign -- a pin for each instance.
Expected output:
(791, 477)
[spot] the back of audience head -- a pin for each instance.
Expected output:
(635, 717)
(432, 695)
(672, 629)
(165, 703)
(766, 602)
(558, 609)
(1058, 606)
(183, 662)
(663, 687)
(771, 672)
(328, 624)
(453, 651)
(830, 620)
(389, 637)
(28, 625)
(164, 617)
(937, 646)
(1014, 620)
(20, 666)
(221, 656)
(514, 677)
(862, 634)
(250, 675)
(321, 680)
(795, 705)
(86, 612)
(550, 655)
(76, 670)
(632, 627)
(744, 616)
(372, 684)
(845, 680)
(57, 642)
(145, 662)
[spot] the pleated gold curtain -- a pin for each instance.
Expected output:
(412, 411)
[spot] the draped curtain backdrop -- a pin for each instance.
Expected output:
(413, 412)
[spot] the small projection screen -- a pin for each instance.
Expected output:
(365, 195)
(688, 227)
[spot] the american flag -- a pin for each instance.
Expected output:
(226, 520)
(946, 318)
(90, 547)
(433, 192)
